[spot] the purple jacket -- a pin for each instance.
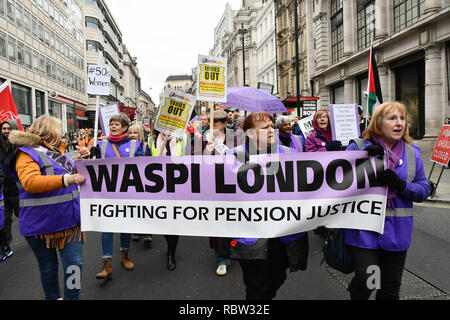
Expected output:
(397, 229)
(297, 142)
(316, 142)
(285, 239)
(53, 211)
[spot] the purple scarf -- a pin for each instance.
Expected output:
(394, 156)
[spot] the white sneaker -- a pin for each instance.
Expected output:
(221, 270)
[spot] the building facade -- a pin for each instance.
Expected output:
(132, 84)
(286, 54)
(42, 57)
(104, 36)
(146, 110)
(266, 46)
(411, 40)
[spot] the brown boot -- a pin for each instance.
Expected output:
(107, 269)
(127, 264)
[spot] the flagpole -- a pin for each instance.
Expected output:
(368, 83)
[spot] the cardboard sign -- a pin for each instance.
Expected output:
(212, 79)
(344, 122)
(105, 113)
(175, 112)
(306, 125)
(441, 151)
(99, 80)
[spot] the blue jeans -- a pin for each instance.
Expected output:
(71, 256)
(107, 243)
(221, 260)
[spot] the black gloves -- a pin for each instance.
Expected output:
(375, 150)
(334, 146)
(95, 153)
(390, 178)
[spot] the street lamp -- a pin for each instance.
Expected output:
(242, 32)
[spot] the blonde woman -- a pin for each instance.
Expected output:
(407, 183)
(136, 132)
(49, 214)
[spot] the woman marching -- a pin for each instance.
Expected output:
(49, 214)
(407, 183)
(118, 145)
(321, 139)
(264, 261)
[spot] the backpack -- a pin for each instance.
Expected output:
(336, 253)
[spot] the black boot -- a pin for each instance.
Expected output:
(171, 263)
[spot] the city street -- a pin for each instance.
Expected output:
(425, 276)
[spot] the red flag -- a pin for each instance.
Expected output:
(8, 109)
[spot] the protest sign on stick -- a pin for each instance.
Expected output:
(306, 125)
(105, 113)
(344, 122)
(212, 79)
(174, 114)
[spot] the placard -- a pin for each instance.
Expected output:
(306, 125)
(441, 151)
(105, 113)
(175, 112)
(344, 122)
(212, 79)
(99, 80)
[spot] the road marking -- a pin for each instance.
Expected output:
(432, 205)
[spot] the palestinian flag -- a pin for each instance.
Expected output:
(375, 98)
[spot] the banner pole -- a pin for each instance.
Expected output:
(212, 107)
(97, 105)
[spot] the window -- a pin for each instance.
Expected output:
(11, 49)
(93, 23)
(36, 61)
(10, 11)
(20, 53)
(34, 26)
(22, 99)
(338, 94)
(366, 23)
(2, 8)
(3, 47)
(42, 64)
(93, 46)
(41, 31)
(19, 13)
(407, 12)
(27, 21)
(40, 103)
(337, 31)
(28, 62)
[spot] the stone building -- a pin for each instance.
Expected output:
(42, 57)
(411, 40)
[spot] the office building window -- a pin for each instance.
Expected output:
(2, 8)
(20, 53)
(27, 21)
(3, 46)
(40, 103)
(28, 59)
(22, 99)
(19, 14)
(11, 49)
(366, 23)
(338, 94)
(406, 13)
(10, 11)
(337, 31)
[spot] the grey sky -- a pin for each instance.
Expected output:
(167, 36)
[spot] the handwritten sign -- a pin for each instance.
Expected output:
(106, 113)
(99, 80)
(306, 125)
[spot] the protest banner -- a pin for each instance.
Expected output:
(270, 196)
(212, 79)
(441, 151)
(344, 122)
(175, 112)
(306, 125)
(8, 110)
(105, 113)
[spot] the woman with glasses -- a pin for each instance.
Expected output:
(320, 139)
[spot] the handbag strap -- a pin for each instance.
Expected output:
(115, 150)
